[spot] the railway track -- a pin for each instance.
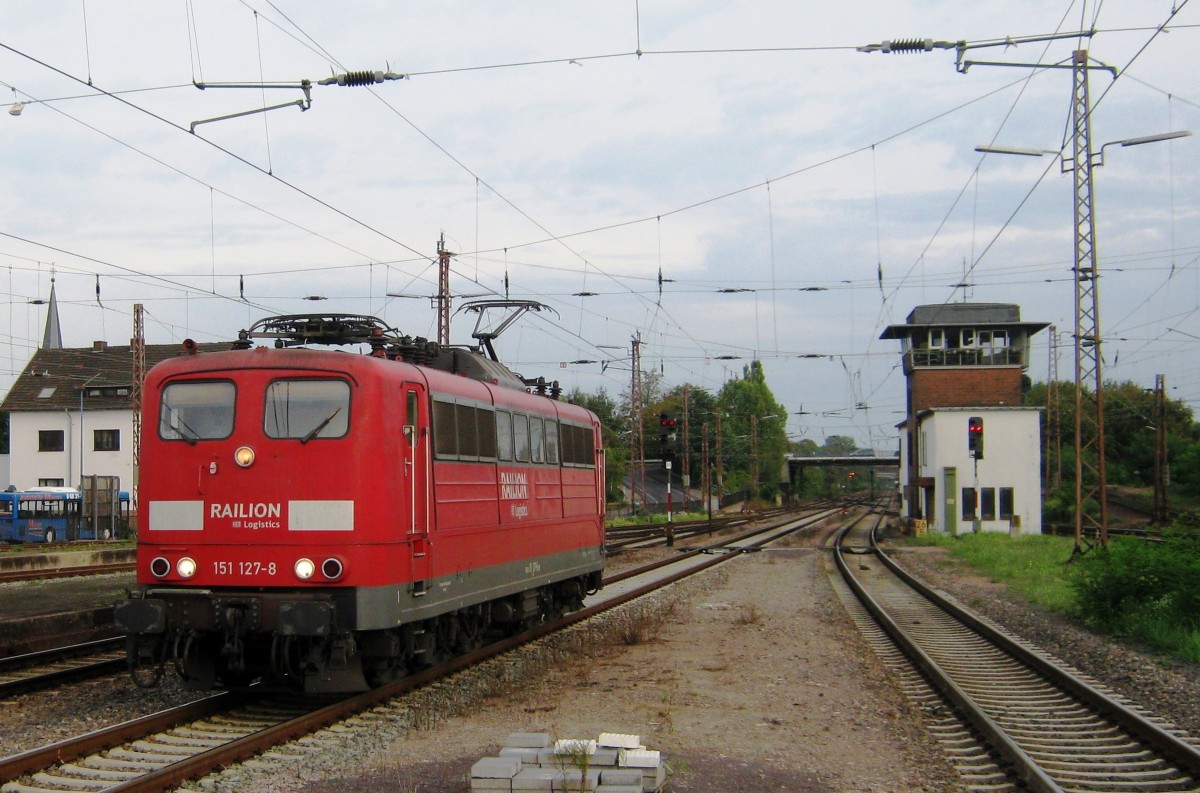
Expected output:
(1007, 716)
(20, 674)
(163, 751)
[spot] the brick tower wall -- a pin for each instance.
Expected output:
(988, 386)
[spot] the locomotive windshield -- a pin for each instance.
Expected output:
(194, 411)
(307, 409)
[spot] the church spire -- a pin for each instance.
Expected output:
(52, 338)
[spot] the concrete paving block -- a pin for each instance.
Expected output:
(604, 757)
(496, 768)
(528, 740)
(653, 779)
(491, 786)
(573, 745)
(639, 758)
(527, 756)
(619, 789)
(621, 776)
(536, 779)
(573, 779)
(619, 740)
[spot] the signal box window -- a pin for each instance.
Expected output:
(196, 411)
(968, 503)
(988, 503)
(50, 440)
(504, 437)
(307, 409)
(106, 441)
(1006, 503)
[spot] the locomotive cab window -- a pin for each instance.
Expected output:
(193, 411)
(307, 409)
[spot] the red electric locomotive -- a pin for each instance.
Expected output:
(327, 520)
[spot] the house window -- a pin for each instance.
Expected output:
(968, 503)
(987, 503)
(1006, 503)
(106, 441)
(50, 441)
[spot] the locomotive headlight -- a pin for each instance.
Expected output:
(332, 568)
(244, 456)
(304, 569)
(159, 567)
(186, 567)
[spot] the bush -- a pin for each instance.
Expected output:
(1146, 590)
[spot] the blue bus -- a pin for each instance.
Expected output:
(54, 515)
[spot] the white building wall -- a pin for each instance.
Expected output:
(28, 466)
(1012, 459)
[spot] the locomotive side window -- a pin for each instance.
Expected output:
(521, 437)
(194, 411)
(537, 440)
(468, 431)
(578, 446)
(307, 409)
(465, 432)
(552, 441)
(487, 432)
(504, 438)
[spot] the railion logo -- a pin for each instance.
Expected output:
(514, 485)
(247, 509)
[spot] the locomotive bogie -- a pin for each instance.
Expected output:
(329, 521)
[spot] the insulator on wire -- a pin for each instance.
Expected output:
(908, 45)
(362, 77)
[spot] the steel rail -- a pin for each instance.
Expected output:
(1021, 763)
(1176, 750)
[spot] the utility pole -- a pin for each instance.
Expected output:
(637, 445)
(1090, 479)
(136, 394)
(685, 477)
(443, 293)
(754, 456)
(1052, 464)
(1162, 469)
(720, 469)
(705, 473)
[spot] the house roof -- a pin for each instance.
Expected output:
(54, 377)
(977, 315)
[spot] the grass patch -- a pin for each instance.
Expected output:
(1147, 592)
(1033, 566)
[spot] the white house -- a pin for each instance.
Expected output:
(1000, 491)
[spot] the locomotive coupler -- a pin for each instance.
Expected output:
(147, 662)
(234, 649)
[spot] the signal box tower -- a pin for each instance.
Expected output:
(964, 365)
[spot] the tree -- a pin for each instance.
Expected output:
(745, 402)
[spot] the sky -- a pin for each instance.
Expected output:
(628, 164)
